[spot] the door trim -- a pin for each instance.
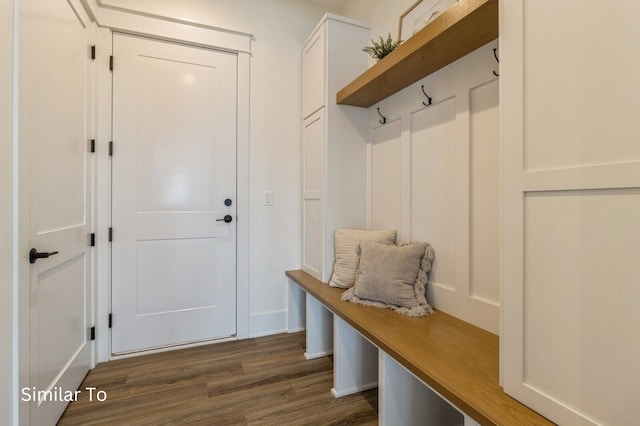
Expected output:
(103, 184)
(167, 28)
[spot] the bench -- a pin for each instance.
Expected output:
(432, 370)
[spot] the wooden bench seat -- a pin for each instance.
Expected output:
(456, 359)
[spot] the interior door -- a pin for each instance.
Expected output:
(174, 193)
(54, 84)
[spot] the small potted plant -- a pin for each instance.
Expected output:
(382, 49)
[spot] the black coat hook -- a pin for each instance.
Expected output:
(429, 100)
(384, 119)
(495, 55)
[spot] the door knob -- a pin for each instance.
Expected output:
(225, 219)
(35, 255)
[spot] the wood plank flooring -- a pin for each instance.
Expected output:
(262, 381)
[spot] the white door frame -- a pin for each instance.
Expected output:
(9, 258)
(170, 29)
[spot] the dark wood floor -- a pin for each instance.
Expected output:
(263, 381)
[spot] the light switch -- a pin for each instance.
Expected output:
(268, 198)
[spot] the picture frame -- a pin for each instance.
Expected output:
(421, 13)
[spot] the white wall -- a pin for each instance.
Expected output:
(280, 28)
(6, 216)
(382, 15)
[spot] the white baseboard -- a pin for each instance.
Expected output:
(345, 392)
(267, 323)
(309, 356)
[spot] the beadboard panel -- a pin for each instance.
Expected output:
(386, 175)
(484, 193)
(433, 176)
(433, 189)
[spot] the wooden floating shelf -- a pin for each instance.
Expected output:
(461, 29)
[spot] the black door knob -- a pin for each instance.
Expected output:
(34, 255)
(225, 219)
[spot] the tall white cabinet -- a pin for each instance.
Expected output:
(571, 200)
(334, 140)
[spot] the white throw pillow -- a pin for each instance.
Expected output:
(347, 253)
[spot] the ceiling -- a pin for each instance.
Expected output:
(335, 5)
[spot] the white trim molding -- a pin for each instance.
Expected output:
(167, 28)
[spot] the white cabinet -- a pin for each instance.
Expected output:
(334, 140)
(570, 228)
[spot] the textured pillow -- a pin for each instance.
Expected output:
(347, 246)
(393, 277)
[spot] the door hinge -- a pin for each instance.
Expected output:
(92, 145)
(111, 63)
(92, 240)
(110, 320)
(110, 234)
(111, 149)
(93, 52)
(93, 333)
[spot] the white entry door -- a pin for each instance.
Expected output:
(174, 184)
(53, 111)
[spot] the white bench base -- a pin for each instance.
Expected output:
(359, 365)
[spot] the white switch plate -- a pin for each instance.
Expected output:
(268, 198)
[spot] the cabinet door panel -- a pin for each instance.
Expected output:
(313, 72)
(312, 246)
(313, 176)
(571, 185)
(313, 152)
